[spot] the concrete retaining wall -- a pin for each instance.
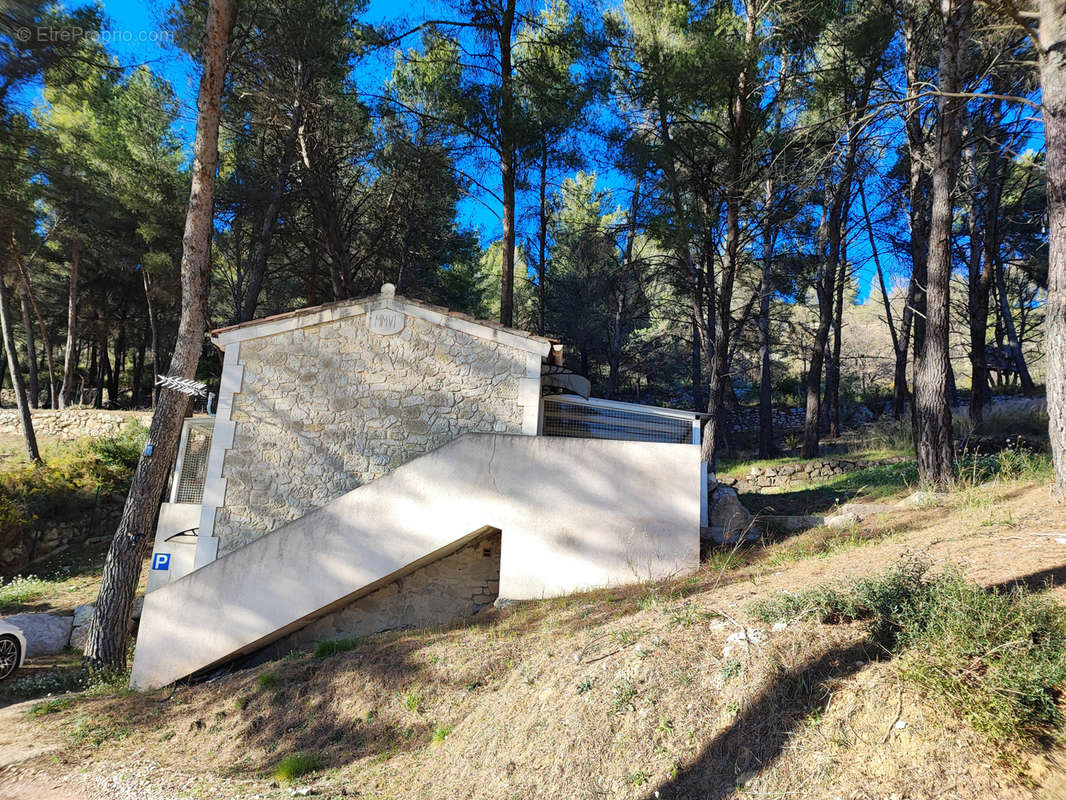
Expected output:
(575, 514)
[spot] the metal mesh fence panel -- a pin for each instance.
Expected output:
(193, 468)
(590, 421)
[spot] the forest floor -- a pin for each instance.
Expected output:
(668, 689)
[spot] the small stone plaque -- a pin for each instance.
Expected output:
(384, 321)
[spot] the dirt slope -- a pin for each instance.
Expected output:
(634, 693)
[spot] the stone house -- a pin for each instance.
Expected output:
(383, 463)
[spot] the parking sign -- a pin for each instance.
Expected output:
(161, 561)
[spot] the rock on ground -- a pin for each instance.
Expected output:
(46, 634)
(729, 519)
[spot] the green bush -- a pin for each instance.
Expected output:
(74, 480)
(333, 646)
(998, 658)
(20, 590)
(1016, 462)
(297, 765)
(122, 451)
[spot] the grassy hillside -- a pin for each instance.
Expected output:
(683, 688)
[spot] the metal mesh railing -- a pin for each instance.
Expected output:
(592, 420)
(192, 471)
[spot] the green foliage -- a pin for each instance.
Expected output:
(997, 657)
(333, 646)
(1014, 463)
(623, 695)
(22, 589)
(120, 453)
(413, 699)
(296, 766)
(91, 732)
(440, 733)
(267, 681)
(69, 485)
(53, 705)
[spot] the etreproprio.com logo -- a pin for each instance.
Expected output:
(47, 35)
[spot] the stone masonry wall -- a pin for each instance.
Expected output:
(73, 423)
(798, 473)
(53, 536)
(325, 408)
(456, 586)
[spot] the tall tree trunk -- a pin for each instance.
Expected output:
(918, 177)
(154, 328)
(7, 328)
(103, 373)
(118, 366)
(932, 435)
(34, 388)
(70, 360)
(1007, 315)
(542, 237)
(985, 216)
(257, 269)
(508, 156)
(825, 281)
(899, 349)
(1052, 56)
(138, 372)
(714, 425)
(106, 645)
(46, 342)
(766, 409)
(832, 380)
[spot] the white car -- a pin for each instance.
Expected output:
(12, 649)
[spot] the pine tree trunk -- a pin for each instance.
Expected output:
(153, 326)
(257, 270)
(542, 237)
(34, 387)
(982, 259)
(832, 383)
(46, 342)
(507, 161)
(28, 435)
(932, 436)
(1013, 341)
(70, 359)
(108, 632)
(1053, 82)
(766, 409)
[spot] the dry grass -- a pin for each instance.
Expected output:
(615, 693)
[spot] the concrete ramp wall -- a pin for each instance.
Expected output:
(574, 514)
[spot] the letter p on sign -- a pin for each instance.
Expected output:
(161, 561)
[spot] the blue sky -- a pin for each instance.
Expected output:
(135, 35)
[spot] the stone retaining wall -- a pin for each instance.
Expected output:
(54, 536)
(799, 473)
(747, 419)
(73, 423)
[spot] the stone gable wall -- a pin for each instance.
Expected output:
(324, 409)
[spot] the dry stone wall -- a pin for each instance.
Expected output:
(324, 409)
(74, 423)
(798, 473)
(453, 587)
(24, 549)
